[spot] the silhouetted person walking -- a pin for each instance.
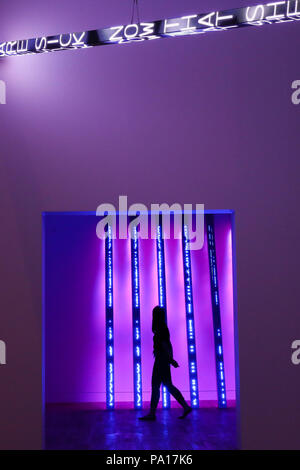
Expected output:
(163, 353)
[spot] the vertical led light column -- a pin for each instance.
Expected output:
(110, 395)
(190, 326)
(216, 312)
(162, 297)
(136, 324)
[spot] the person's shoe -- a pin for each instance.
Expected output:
(149, 417)
(187, 411)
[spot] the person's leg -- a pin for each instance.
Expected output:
(167, 381)
(176, 394)
(154, 397)
(156, 382)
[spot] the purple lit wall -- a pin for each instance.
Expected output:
(74, 305)
(75, 312)
(191, 120)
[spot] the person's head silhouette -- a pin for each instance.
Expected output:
(158, 319)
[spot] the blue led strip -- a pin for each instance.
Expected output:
(190, 325)
(162, 297)
(220, 372)
(136, 324)
(110, 395)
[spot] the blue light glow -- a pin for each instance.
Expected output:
(110, 398)
(136, 327)
(220, 374)
(187, 271)
(162, 294)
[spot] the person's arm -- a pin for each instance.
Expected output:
(167, 347)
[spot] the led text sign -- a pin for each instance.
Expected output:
(258, 15)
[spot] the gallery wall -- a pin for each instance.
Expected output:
(204, 119)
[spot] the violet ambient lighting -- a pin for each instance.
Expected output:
(257, 15)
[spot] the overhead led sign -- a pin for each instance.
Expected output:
(258, 15)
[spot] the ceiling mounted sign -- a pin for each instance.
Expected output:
(258, 15)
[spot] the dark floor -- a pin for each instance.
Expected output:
(69, 428)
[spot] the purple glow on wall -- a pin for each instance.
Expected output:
(203, 324)
(75, 312)
(148, 299)
(123, 322)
